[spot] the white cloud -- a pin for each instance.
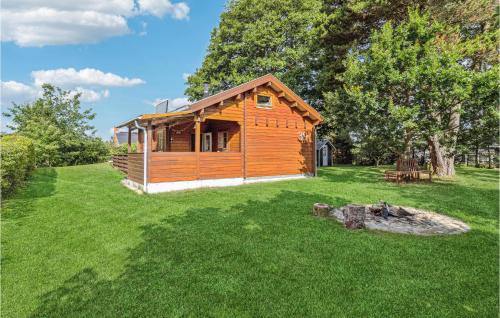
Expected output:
(89, 95)
(47, 26)
(91, 83)
(21, 93)
(65, 77)
(185, 76)
(56, 22)
(159, 8)
(119, 7)
(16, 92)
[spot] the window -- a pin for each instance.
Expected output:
(161, 140)
(206, 142)
(222, 141)
(264, 101)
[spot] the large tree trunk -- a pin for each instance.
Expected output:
(437, 160)
(442, 161)
(407, 145)
(443, 156)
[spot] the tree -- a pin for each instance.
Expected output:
(371, 149)
(479, 127)
(258, 37)
(407, 84)
(347, 26)
(59, 128)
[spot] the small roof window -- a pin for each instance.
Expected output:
(264, 101)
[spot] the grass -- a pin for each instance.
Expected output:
(75, 243)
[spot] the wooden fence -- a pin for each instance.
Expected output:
(120, 162)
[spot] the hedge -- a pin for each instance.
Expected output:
(18, 161)
(122, 149)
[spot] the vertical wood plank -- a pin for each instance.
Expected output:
(129, 140)
(150, 149)
(197, 142)
(140, 140)
(243, 141)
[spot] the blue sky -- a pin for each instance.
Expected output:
(122, 54)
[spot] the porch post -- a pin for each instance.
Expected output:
(197, 142)
(129, 140)
(149, 147)
(315, 152)
(140, 140)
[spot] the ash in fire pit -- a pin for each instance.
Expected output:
(398, 219)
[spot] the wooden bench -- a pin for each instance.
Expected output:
(407, 170)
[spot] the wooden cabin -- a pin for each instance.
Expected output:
(258, 131)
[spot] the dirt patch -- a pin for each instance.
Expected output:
(400, 219)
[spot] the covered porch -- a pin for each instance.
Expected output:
(181, 150)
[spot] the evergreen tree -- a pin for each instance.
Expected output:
(408, 84)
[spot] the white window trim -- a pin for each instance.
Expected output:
(219, 134)
(262, 105)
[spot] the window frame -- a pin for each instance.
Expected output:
(265, 106)
(225, 139)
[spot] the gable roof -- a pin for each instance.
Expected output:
(220, 97)
(269, 80)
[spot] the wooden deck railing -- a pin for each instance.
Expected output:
(120, 162)
(135, 167)
(219, 165)
(185, 166)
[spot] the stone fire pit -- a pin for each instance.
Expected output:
(392, 218)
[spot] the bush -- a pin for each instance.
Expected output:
(91, 150)
(18, 161)
(122, 149)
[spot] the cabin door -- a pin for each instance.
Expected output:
(325, 156)
(206, 142)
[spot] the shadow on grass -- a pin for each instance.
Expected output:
(272, 257)
(41, 184)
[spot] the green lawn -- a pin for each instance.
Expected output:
(76, 243)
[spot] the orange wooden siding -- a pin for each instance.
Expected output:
(218, 165)
(277, 141)
(272, 138)
(179, 138)
(182, 166)
(173, 166)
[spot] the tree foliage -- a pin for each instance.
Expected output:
(258, 37)
(400, 84)
(480, 122)
(59, 128)
(472, 25)
(386, 74)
